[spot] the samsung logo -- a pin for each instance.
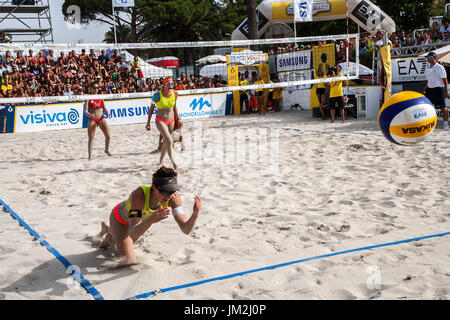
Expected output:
(129, 112)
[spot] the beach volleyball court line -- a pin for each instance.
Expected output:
(78, 277)
(153, 293)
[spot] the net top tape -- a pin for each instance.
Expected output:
(158, 45)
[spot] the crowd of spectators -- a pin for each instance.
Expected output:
(49, 74)
(402, 38)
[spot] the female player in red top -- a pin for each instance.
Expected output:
(94, 110)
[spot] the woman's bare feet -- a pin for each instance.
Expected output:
(104, 230)
(106, 242)
(108, 153)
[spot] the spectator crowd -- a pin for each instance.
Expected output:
(48, 74)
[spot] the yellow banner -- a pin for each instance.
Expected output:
(284, 10)
(324, 57)
(386, 56)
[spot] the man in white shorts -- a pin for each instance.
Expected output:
(436, 88)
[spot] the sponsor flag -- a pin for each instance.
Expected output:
(123, 3)
(386, 56)
(303, 10)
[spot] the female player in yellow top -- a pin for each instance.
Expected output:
(145, 206)
(166, 116)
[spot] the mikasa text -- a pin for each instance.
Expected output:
(412, 130)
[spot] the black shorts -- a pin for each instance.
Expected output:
(436, 96)
(336, 102)
(320, 90)
(259, 93)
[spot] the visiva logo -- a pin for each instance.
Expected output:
(51, 117)
(200, 103)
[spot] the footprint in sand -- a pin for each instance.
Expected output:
(184, 257)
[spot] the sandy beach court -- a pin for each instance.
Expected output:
(274, 188)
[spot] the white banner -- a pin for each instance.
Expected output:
(189, 106)
(303, 75)
(123, 3)
(48, 117)
(303, 10)
(291, 61)
(409, 69)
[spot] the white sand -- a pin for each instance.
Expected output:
(334, 190)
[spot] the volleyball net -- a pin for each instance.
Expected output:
(69, 72)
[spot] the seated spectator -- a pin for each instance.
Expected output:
(445, 29)
(436, 37)
(41, 59)
(4, 38)
(51, 58)
(221, 82)
(116, 57)
(426, 38)
(122, 65)
(103, 56)
(35, 68)
(92, 55)
(179, 85)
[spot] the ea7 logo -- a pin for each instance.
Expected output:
(201, 103)
(413, 130)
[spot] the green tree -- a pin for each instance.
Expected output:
(123, 34)
(409, 14)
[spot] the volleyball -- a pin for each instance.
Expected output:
(407, 118)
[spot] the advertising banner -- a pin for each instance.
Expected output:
(324, 57)
(43, 117)
(293, 61)
(189, 106)
(59, 116)
(409, 69)
(295, 76)
(303, 10)
(387, 64)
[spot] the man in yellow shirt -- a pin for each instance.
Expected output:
(320, 92)
(336, 95)
(243, 95)
(259, 94)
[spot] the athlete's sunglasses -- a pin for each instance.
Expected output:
(169, 83)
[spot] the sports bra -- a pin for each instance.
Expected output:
(146, 211)
(164, 103)
(95, 104)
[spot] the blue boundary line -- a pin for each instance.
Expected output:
(152, 293)
(83, 282)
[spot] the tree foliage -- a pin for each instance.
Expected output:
(409, 14)
(196, 20)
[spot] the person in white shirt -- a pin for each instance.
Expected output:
(445, 28)
(436, 88)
